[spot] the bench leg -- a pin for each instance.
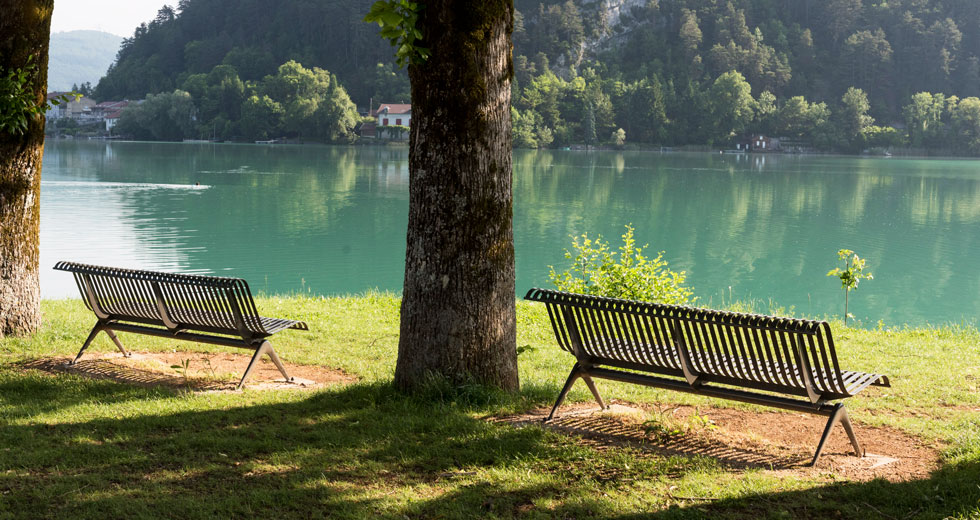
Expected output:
(278, 362)
(251, 364)
(119, 345)
(576, 373)
(264, 348)
(846, 421)
(595, 393)
(838, 414)
(91, 335)
(572, 376)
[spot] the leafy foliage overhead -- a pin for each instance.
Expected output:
(18, 101)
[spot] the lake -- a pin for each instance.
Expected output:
(331, 220)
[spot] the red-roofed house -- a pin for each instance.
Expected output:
(109, 111)
(394, 114)
(387, 115)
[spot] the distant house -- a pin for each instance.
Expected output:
(77, 109)
(394, 114)
(368, 129)
(761, 143)
(387, 115)
(109, 111)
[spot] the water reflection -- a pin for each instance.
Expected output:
(332, 219)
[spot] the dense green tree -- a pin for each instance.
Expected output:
(868, 55)
(588, 125)
(732, 106)
(853, 118)
(839, 17)
(766, 114)
(801, 119)
(690, 34)
(966, 124)
(261, 118)
(542, 96)
(925, 119)
(164, 117)
(643, 111)
(295, 102)
(556, 30)
(883, 137)
(390, 86)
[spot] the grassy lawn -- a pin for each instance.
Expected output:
(73, 447)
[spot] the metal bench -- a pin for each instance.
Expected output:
(744, 357)
(176, 306)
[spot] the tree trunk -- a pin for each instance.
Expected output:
(458, 316)
(25, 28)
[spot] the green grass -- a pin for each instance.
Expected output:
(72, 447)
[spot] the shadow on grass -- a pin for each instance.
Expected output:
(363, 450)
(25, 394)
(951, 492)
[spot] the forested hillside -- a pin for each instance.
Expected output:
(253, 36)
(834, 74)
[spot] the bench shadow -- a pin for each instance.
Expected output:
(103, 369)
(605, 431)
(318, 453)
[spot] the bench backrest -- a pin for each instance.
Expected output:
(211, 303)
(763, 352)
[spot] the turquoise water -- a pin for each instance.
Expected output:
(331, 220)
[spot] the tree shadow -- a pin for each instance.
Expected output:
(26, 391)
(952, 491)
(355, 451)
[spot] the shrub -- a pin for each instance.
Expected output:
(596, 270)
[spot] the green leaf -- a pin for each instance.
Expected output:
(391, 18)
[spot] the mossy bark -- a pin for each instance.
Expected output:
(25, 28)
(458, 316)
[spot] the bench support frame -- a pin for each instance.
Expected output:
(260, 346)
(836, 412)
(99, 327)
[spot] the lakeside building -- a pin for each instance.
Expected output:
(78, 109)
(109, 111)
(85, 110)
(387, 120)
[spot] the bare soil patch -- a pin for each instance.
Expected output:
(780, 442)
(197, 371)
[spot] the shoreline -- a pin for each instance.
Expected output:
(907, 153)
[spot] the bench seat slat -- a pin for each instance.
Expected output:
(760, 372)
(132, 311)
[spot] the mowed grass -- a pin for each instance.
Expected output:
(72, 447)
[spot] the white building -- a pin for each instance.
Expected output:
(394, 114)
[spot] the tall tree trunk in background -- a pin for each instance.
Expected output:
(25, 27)
(458, 316)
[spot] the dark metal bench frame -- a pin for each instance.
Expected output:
(742, 357)
(176, 306)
